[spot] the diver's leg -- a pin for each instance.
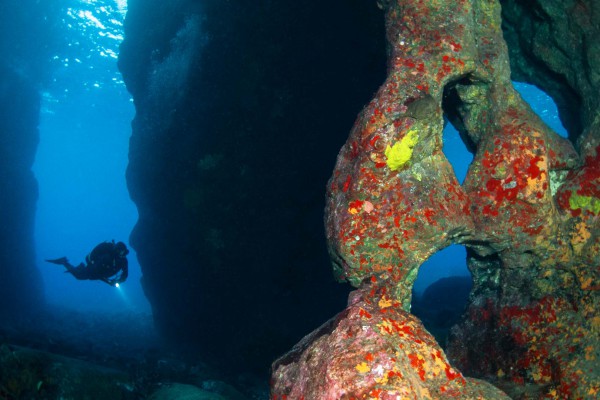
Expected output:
(64, 262)
(79, 272)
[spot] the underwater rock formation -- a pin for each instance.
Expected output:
(527, 211)
(376, 350)
(534, 309)
(240, 111)
(553, 44)
(19, 115)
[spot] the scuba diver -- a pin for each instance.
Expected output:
(107, 263)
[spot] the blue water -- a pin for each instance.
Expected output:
(80, 165)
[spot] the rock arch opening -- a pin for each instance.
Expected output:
(441, 291)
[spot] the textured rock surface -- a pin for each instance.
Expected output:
(534, 311)
(374, 350)
(241, 109)
(419, 208)
(528, 209)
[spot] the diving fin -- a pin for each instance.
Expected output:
(59, 261)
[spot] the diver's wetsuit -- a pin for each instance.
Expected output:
(106, 260)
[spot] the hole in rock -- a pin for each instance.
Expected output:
(441, 291)
(456, 152)
(458, 149)
(542, 105)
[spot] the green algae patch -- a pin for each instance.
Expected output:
(400, 153)
(584, 203)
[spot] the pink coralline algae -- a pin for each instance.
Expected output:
(528, 211)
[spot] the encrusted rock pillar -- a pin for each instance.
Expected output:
(393, 199)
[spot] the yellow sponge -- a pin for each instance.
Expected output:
(401, 152)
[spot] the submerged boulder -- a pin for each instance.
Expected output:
(372, 349)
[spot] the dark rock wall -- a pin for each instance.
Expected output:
(23, 70)
(241, 108)
(19, 115)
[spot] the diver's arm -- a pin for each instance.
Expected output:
(108, 281)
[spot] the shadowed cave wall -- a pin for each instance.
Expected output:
(19, 115)
(241, 109)
(24, 69)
